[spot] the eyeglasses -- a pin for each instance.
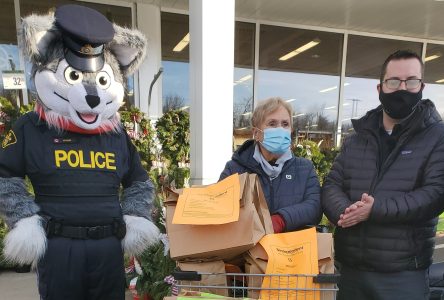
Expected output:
(410, 84)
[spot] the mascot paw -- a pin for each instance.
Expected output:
(140, 234)
(26, 242)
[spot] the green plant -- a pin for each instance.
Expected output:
(174, 136)
(173, 133)
(139, 129)
(322, 159)
(3, 263)
(155, 265)
(155, 261)
(9, 113)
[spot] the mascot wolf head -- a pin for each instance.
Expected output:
(80, 61)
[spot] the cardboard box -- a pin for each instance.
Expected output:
(325, 253)
(221, 241)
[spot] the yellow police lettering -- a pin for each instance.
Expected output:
(78, 159)
(101, 165)
(82, 163)
(60, 155)
(91, 158)
(110, 161)
(71, 154)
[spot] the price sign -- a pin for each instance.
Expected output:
(13, 80)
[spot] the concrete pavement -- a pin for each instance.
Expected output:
(23, 286)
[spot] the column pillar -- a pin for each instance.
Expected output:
(211, 87)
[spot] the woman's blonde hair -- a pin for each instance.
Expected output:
(267, 107)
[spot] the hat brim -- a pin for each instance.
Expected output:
(84, 63)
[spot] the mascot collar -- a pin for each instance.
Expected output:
(73, 127)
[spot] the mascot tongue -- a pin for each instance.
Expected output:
(73, 127)
(88, 118)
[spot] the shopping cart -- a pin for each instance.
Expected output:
(259, 286)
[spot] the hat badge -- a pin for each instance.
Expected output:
(86, 49)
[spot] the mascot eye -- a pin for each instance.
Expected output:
(73, 76)
(103, 80)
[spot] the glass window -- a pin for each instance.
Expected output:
(434, 76)
(365, 56)
(243, 81)
(116, 14)
(175, 61)
(302, 67)
(9, 53)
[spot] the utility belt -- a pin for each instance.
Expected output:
(56, 228)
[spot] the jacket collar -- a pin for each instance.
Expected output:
(244, 156)
(424, 116)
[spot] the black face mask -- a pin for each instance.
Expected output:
(400, 104)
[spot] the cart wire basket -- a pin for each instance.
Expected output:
(259, 286)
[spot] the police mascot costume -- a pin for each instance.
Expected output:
(77, 156)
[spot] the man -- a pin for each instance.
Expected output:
(386, 189)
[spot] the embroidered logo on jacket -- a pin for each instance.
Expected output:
(91, 160)
(288, 176)
(9, 140)
(404, 152)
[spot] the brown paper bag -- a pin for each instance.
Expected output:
(222, 241)
(214, 267)
(254, 282)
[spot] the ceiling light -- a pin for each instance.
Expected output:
(245, 78)
(330, 107)
(184, 107)
(432, 57)
(290, 100)
(348, 119)
(440, 81)
(345, 84)
(247, 113)
(346, 104)
(328, 89)
(300, 49)
(298, 115)
(183, 43)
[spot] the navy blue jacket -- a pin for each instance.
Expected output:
(294, 194)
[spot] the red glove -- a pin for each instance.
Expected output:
(278, 223)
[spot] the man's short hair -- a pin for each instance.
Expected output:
(267, 107)
(400, 54)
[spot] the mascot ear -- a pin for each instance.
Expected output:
(129, 48)
(37, 35)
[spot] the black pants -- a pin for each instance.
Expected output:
(82, 270)
(362, 285)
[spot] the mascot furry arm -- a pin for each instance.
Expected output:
(81, 101)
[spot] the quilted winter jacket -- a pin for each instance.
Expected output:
(294, 194)
(408, 188)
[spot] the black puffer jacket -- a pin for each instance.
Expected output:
(408, 188)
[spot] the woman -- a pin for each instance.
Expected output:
(290, 184)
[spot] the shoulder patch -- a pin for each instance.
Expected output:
(10, 139)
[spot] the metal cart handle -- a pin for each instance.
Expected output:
(187, 275)
(326, 278)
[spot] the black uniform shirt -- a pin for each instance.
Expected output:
(76, 177)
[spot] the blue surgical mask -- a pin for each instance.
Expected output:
(276, 140)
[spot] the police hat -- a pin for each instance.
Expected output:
(84, 32)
